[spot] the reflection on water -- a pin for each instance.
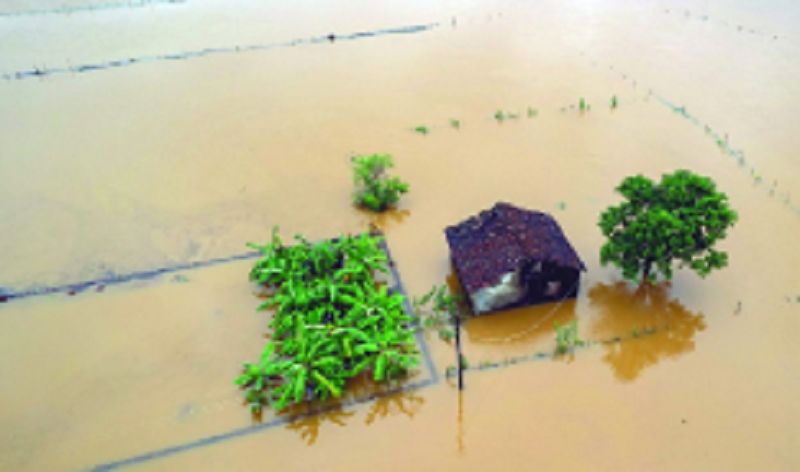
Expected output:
(386, 219)
(308, 427)
(517, 325)
(626, 311)
(406, 403)
(460, 423)
(145, 183)
(520, 325)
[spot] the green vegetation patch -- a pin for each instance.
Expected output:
(333, 321)
(437, 310)
(375, 190)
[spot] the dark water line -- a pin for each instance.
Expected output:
(81, 286)
(186, 55)
(705, 17)
(546, 355)
(67, 10)
(721, 140)
(78, 287)
(423, 346)
(253, 429)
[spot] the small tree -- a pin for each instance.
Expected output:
(680, 218)
(374, 189)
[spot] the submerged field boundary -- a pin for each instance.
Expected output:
(197, 53)
(538, 356)
(738, 155)
(89, 7)
(721, 139)
(431, 379)
(257, 428)
(102, 282)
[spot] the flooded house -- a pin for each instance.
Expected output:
(509, 256)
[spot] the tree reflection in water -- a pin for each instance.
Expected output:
(626, 311)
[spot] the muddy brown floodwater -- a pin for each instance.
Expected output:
(136, 138)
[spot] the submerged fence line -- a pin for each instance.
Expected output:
(89, 7)
(431, 379)
(101, 282)
(193, 54)
(450, 371)
(721, 140)
(257, 428)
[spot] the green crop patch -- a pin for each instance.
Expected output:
(334, 320)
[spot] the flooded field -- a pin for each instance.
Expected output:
(140, 141)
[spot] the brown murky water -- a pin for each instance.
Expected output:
(173, 161)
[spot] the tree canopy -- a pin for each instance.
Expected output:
(678, 219)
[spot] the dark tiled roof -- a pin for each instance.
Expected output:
(498, 241)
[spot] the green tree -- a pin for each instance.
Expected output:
(678, 219)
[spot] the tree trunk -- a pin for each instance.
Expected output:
(648, 265)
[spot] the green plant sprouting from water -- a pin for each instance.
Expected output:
(499, 116)
(456, 124)
(582, 104)
(614, 102)
(422, 129)
(532, 112)
(332, 321)
(437, 310)
(374, 189)
(567, 337)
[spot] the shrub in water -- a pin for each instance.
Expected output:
(374, 189)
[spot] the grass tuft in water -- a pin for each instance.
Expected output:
(437, 310)
(567, 337)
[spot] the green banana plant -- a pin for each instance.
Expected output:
(332, 321)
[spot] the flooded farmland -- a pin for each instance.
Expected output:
(142, 144)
